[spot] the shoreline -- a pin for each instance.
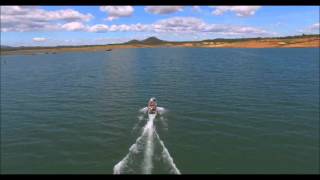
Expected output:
(302, 42)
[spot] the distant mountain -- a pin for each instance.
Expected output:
(149, 41)
(133, 42)
(5, 47)
(152, 40)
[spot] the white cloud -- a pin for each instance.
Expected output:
(196, 8)
(21, 19)
(36, 14)
(39, 39)
(32, 18)
(192, 25)
(241, 11)
(179, 24)
(114, 12)
(123, 27)
(315, 26)
(312, 29)
(98, 28)
(183, 25)
(73, 26)
(163, 9)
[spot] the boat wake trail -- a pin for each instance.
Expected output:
(147, 152)
(147, 162)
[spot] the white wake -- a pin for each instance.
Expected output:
(145, 143)
(147, 162)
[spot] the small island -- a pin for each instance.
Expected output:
(301, 41)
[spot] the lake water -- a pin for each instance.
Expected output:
(227, 111)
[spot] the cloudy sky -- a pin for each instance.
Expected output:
(79, 25)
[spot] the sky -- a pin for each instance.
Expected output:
(88, 25)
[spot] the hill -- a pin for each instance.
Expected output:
(148, 41)
(304, 41)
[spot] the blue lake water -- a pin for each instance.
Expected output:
(227, 110)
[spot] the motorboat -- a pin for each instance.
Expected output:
(152, 106)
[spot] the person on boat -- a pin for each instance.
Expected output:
(152, 105)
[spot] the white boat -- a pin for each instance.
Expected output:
(152, 106)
